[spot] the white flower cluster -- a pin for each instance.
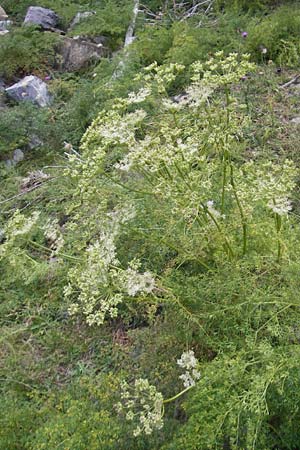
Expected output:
(120, 129)
(142, 405)
(159, 77)
(281, 206)
(99, 284)
(266, 184)
(18, 225)
(190, 363)
(135, 282)
(221, 71)
(138, 97)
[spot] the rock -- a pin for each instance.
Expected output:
(3, 15)
(4, 32)
(34, 142)
(77, 53)
(43, 17)
(81, 16)
(296, 120)
(101, 41)
(30, 88)
(9, 163)
(18, 156)
(5, 25)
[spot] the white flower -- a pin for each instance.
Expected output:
(280, 206)
(143, 405)
(187, 379)
(138, 282)
(137, 431)
(212, 210)
(129, 415)
(196, 374)
(138, 97)
(187, 360)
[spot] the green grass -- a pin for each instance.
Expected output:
(59, 377)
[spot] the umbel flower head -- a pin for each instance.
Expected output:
(142, 405)
(190, 363)
(280, 206)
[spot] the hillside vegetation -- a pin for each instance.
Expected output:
(149, 226)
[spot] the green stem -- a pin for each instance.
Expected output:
(223, 186)
(278, 222)
(172, 246)
(171, 399)
(118, 183)
(175, 119)
(243, 218)
(37, 245)
(227, 244)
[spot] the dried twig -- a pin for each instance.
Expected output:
(292, 81)
(194, 9)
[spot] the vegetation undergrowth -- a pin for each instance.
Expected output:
(149, 243)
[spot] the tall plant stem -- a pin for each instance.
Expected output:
(42, 247)
(227, 244)
(278, 229)
(223, 186)
(171, 399)
(243, 218)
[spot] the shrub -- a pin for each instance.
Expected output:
(246, 5)
(111, 19)
(26, 50)
(21, 123)
(278, 33)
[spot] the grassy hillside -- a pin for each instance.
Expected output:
(149, 238)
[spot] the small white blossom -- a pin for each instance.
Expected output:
(138, 282)
(137, 431)
(142, 404)
(138, 97)
(212, 210)
(187, 360)
(280, 206)
(188, 380)
(190, 363)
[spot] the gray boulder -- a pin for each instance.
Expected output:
(5, 25)
(77, 53)
(30, 88)
(296, 121)
(17, 157)
(3, 15)
(34, 142)
(80, 16)
(43, 17)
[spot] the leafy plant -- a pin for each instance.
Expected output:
(26, 50)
